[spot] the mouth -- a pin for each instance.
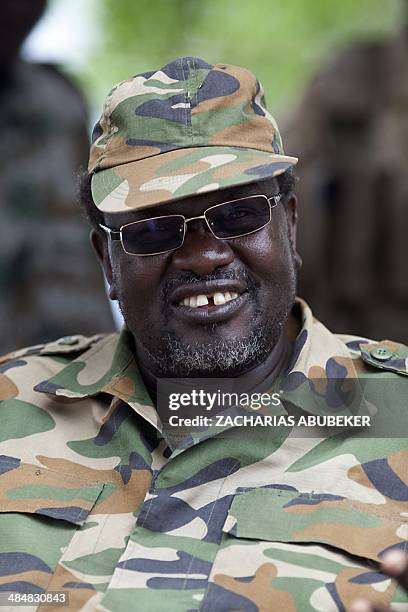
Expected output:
(209, 302)
(212, 299)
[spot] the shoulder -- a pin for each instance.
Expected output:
(28, 366)
(377, 355)
(67, 345)
(36, 419)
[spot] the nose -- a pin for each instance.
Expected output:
(202, 252)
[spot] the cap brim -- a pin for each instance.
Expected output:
(182, 173)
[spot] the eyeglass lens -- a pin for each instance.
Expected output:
(240, 217)
(153, 235)
(227, 220)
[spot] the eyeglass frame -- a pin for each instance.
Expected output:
(277, 198)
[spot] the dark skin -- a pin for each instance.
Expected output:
(268, 257)
(395, 565)
(265, 256)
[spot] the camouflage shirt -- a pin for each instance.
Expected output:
(93, 501)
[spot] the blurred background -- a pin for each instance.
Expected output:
(336, 78)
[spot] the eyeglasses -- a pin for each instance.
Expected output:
(225, 221)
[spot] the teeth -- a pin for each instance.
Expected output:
(203, 300)
(219, 298)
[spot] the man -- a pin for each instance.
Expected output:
(191, 200)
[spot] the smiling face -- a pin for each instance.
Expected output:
(212, 307)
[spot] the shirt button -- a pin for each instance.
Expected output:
(68, 340)
(381, 354)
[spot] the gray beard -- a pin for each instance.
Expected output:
(217, 358)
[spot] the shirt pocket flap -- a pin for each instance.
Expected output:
(35, 490)
(283, 515)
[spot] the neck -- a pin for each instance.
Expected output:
(269, 370)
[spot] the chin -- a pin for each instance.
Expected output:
(218, 356)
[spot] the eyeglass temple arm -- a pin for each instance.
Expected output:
(113, 234)
(276, 199)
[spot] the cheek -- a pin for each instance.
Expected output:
(138, 283)
(267, 254)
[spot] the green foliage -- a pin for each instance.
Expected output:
(282, 42)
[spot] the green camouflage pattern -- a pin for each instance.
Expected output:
(94, 502)
(187, 128)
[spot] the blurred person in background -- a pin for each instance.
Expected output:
(50, 284)
(351, 132)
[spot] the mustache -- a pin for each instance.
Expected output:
(186, 277)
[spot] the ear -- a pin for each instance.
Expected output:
(100, 246)
(291, 209)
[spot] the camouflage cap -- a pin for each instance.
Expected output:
(184, 129)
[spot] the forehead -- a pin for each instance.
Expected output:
(195, 205)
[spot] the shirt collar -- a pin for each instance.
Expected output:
(323, 374)
(108, 367)
(317, 352)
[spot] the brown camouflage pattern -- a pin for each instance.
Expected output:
(184, 129)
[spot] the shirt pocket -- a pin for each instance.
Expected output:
(286, 550)
(40, 512)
